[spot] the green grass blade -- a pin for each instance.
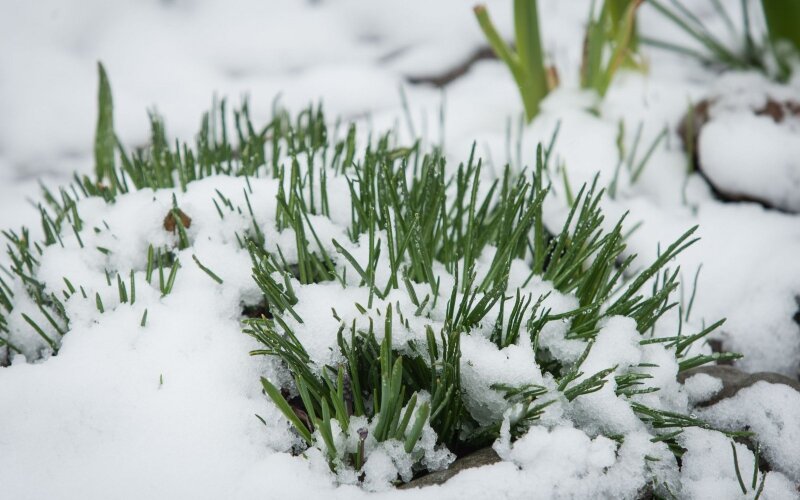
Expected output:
(275, 395)
(104, 139)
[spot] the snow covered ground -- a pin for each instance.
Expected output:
(167, 411)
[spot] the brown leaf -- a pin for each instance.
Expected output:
(171, 222)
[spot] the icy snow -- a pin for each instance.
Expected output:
(567, 463)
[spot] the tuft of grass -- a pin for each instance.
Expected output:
(421, 227)
(771, 55)
(431, 222)
(612, 31)
(610, 43)
(374, 382)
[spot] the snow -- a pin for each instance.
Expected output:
(484, 366)
(769, 171)
(772, 411)
(167, 410)
(750, 155)
(702, 387)
(708, 469)
(749, 276)
(570, 464)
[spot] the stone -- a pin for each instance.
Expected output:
(484, 456)
(734, 380)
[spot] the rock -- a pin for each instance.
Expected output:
(734, 380)
(772, 183)
(485, 456)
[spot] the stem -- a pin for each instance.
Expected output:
(783, 21)
(104, 139)
(527, 63)
(529, 48)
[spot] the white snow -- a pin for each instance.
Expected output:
(749, 155)
(708, 469)
(702, 387)
(772, 411)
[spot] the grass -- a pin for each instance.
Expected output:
(771, 56)
(610, 43)
(526, 62)
(432, 226)
(105, 139)
(783, 19)
(403, 198)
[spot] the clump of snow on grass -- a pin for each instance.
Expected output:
(702, 387)
(568, 463)
(483, 365)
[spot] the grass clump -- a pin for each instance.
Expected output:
(428, 259)
(420, 229)
(771, 55)
(610, 43)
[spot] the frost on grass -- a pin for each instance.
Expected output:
(402, 311)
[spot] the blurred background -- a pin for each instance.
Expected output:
(174, 56)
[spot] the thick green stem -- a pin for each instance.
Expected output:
(104, 140)
(616, 13)
(527, 63)
(529, 48)
(783, 21)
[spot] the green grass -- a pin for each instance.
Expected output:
(783, 29)
(429, 219)
(610, 43)
(105, 139)
(771, 55)
(526, 62)
(431, 223)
